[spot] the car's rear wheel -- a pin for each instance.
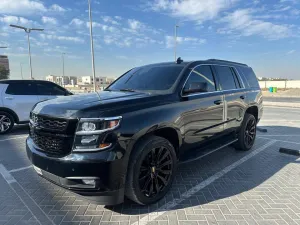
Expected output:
(6, 122)
(151, 170)
(247, 133)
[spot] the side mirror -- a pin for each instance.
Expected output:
(196, 87)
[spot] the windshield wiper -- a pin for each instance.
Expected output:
(127, 90)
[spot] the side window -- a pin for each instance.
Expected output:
(201, 80)
(24, 88)
(236, 79)
(226, 77)
(49, 89)
(250, 76)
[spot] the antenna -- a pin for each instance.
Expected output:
(179, 60)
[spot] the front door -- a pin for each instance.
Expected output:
(204, 114)
(20, 97)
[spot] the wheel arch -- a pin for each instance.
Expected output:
(253, 110)
(14, 115)
(168, 132)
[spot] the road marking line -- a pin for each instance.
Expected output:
(197, 188)
(41, 217)
(24, 136)
(20, 169)
(290, 142)
(6, 175)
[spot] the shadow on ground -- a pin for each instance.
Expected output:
(61, 205)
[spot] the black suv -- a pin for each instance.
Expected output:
(128, 139)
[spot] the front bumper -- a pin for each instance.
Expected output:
(106, 168)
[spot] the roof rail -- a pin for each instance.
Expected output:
(220, 60)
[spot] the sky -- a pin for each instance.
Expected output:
(265, 34)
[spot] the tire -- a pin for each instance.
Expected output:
(6, 122)
(247, 133)
(140, 172)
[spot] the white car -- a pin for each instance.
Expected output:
(17, 98)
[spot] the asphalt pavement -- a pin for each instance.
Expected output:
(260, 186)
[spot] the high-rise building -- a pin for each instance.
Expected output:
(4, 61)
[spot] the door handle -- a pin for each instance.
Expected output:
(218, 102)
(9, 98)
(242, 97)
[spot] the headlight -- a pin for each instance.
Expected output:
(89, 131)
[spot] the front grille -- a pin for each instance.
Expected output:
(52, 145)
(49, 123)
(52, 136)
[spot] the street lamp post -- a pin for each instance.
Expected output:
(92, 44)
(28, 30)
(175, 42)
(63, 64)
(21, 70)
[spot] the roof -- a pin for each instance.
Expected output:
(212, 61)
(18, 81)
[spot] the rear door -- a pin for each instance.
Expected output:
(203, 116)
(48, 90)
(234, 96)
(20, 97)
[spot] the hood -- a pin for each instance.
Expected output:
(69, 105)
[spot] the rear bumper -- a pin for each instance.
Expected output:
(70, 171)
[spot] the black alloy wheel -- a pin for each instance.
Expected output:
(250, 132)
(151, 170)
(156, 171)
(247, 133)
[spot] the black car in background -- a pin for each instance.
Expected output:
(128, 139)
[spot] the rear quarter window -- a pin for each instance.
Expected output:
(249, 76)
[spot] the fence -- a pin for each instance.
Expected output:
(280, 84)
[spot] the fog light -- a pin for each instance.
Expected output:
(89, 182)
(87, 140)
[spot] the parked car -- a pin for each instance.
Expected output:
(17, 98)
(129, 139)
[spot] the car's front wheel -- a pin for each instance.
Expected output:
(151, 170)
(6, 122)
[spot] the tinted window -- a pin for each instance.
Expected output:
(50, 89)
(202, 74)
(226, 77)
(236, 79)
(147, 78)
(24, 88)
(250, 76)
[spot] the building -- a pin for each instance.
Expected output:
(73, 80)
(4, 61)
(51, 78)
(89, 80)
(62, 80)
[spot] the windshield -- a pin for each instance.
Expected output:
(148, 78)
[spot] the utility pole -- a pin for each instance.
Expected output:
(28, 30)
(175, 42)
(21, 70)
(92, 44)
(63, 64)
